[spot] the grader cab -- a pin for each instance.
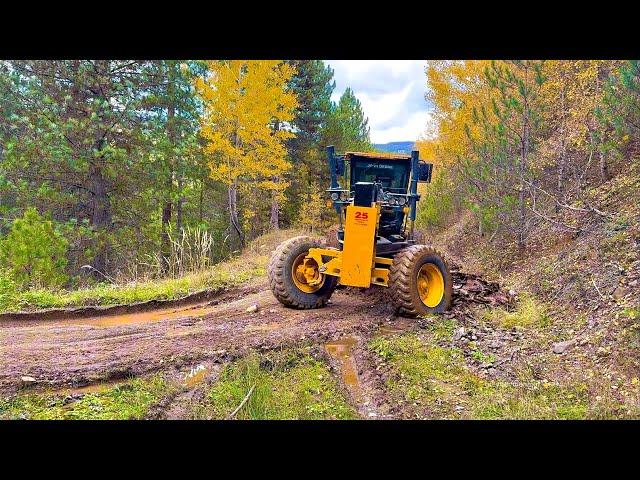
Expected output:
(375, 196)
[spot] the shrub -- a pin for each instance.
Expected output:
(7, 290)
(34, 253)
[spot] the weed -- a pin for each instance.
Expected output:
(528, 313)
(632, 313)
(286, 385)
(482, 357)
(442, 329)
(130, 400)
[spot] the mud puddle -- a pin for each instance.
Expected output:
(189, 311)
(97, 387)
(342, 351)
(196, 376)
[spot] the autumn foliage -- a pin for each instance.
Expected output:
(127, 158)
(519, 141)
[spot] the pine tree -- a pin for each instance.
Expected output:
(347, 127)
(72, 140)
(173, 123)
(313, 84)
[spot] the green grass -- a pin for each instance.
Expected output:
(528, 313)
(426, 375)
(288, 385)
(222, 275)
(633, 313)
(432, 381)
(442, 328)
(251, 264)
(536, 400)
(129, 400)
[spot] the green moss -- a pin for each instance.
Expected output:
(130, 400)
(528, 313)
(289, 385)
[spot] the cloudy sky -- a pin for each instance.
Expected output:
(391, 93)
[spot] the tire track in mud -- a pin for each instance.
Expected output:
(79, 351)
(75, 351)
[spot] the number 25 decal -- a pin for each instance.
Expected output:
(362, 215)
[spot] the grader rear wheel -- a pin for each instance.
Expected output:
(295, 282)
(420, 282)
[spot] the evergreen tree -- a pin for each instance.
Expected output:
(173, 122)
(347, 127)
(72, 140)
(313, 85)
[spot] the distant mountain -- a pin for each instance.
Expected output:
(394, 147)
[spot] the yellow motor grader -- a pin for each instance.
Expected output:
(376, 205)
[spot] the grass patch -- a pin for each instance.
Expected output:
(427, 376)
(528, 313)
(632, 313)
(530, 400)
(431, 381)
(442, 328)
(130, 400)
(251, 264)
(288, 385)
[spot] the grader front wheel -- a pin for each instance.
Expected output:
(296, 282)
(420, 282)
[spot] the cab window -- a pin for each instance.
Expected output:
(393, 175)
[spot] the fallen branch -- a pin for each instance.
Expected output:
(244, 400)
(551, 220)
(569, 207)
(597, 289)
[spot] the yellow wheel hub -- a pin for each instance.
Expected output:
(305, 274)
(430, 285)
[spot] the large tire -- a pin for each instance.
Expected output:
(403, 281)
(281, 276)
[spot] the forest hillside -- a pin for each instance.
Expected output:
(173, 182)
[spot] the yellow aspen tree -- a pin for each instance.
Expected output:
(247, 106)
(457, 89)
(310, 217)
(571, 94)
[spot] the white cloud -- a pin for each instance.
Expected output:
(391, 93)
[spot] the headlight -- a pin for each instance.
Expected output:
(335, 196)
(402, 201)
(393, 200)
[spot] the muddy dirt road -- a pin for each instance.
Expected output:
(76, 351)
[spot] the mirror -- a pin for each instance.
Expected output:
(424, 171)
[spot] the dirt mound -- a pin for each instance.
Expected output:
(470, 289)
